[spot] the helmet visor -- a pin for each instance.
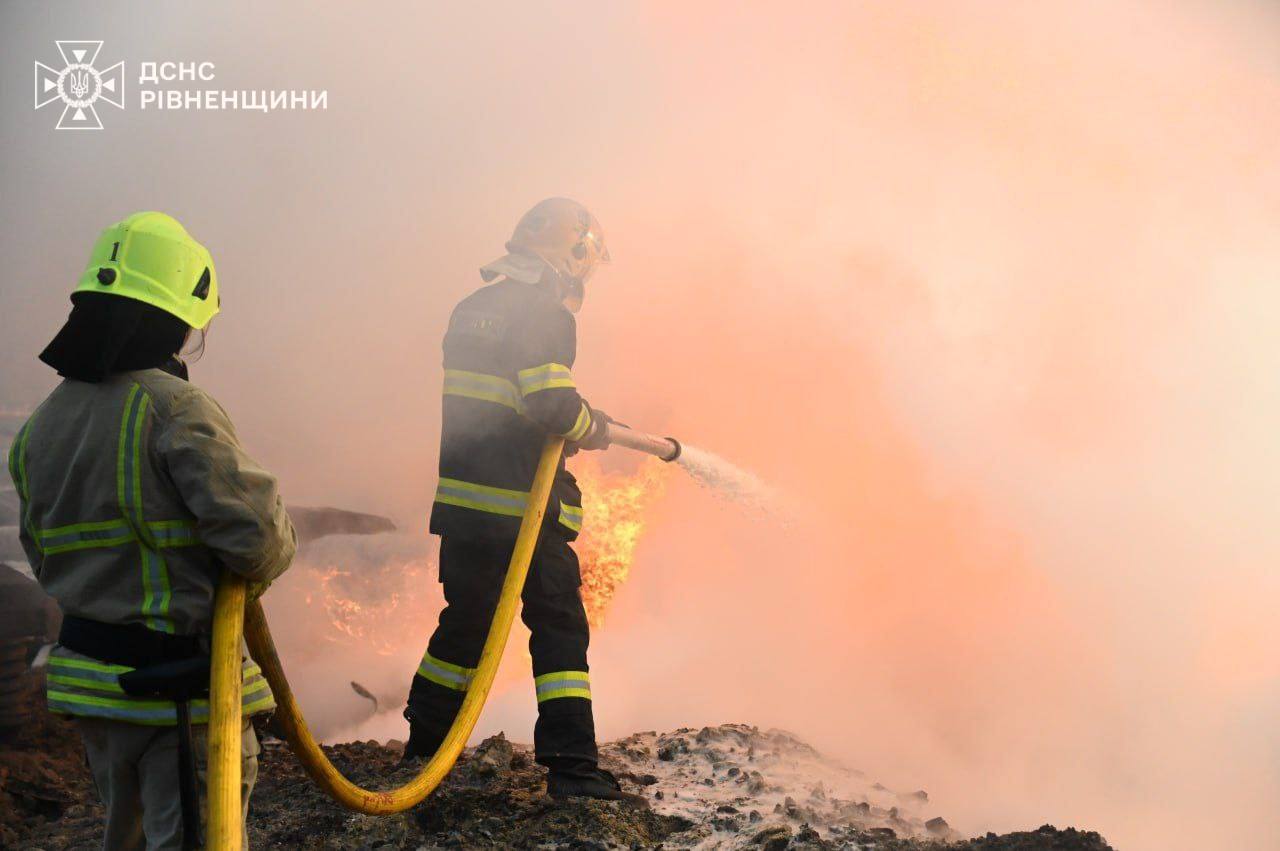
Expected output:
(595, 241)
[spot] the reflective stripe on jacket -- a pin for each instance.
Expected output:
(80, 685)
(134, 494)
(508, 382)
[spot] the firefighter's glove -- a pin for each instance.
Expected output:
(598, 437)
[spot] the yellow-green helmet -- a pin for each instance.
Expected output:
(151, 257)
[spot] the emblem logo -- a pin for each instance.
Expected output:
(79, 85)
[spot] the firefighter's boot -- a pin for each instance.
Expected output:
(424, 739)
(589, 782)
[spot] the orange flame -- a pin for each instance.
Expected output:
(614, 507)
(361, 603)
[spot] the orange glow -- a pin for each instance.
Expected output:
(614, 519)
(985, 291)
(357, 604)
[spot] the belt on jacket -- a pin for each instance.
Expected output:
(132, 645)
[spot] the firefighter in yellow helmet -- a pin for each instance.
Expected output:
(508, 383)
(135, 494)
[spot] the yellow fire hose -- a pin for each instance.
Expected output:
(231, 620)
(224, 715)
(224, 709)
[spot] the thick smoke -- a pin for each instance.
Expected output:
(986, 293)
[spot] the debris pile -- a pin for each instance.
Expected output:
(729, 787)
(737, 786)
(47, 796)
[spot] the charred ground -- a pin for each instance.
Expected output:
(730, 786)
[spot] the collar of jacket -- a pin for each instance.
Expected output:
(524, 268)
(176, 367)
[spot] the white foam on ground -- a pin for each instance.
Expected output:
(739, 784)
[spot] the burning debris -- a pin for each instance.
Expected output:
(614, 521)
(374, 595)
(353, 591)
(360, 596)
(356, 613)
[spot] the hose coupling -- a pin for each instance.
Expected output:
(676, 454)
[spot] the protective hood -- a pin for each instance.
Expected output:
(105, 334)
(526, 268)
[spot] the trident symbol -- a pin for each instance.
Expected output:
(78, 83)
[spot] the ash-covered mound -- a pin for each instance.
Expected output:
(726, 787)
(740, 787)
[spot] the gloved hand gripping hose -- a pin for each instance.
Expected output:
(225, 811)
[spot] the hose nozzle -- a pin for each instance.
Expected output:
(666, 448)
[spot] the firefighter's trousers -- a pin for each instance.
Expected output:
(472, 573)
(135, 768)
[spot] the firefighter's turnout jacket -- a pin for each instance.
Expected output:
(508, 356)
(135, 494)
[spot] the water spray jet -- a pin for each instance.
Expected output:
(707, 468)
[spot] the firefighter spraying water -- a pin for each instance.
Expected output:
(509, 353)
(505, 507)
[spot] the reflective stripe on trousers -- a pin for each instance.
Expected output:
(444, 673)
(559, 684)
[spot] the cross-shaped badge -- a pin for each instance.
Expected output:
(79, 85)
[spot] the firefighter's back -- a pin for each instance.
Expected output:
(114, 540)
(489, 442)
